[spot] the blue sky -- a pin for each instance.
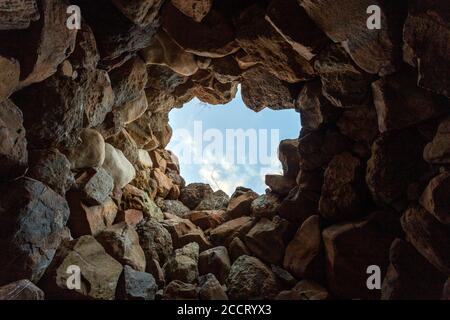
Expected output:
(213, 156)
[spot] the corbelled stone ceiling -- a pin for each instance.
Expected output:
(361, 211)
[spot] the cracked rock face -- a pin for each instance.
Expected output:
(86, 179)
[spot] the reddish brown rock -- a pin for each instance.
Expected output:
(251, 279)
(177, 290)
(225, 233)
(396, 162)
(426, 37)
(195, 9)
(400, 103)
(260, 40)
(304, 254)
(317, 148)
(116, 35)
(266, 206)
(436, 199)
(359, 124)
(261, 89)
(184, 232)
(280, 184)
(299, 205)
(377, 50)
(21, 290)
(13, 144)
(343, 83)
(85, 220)
(134, 198)
(343, 192)
(48, 42)
(213, 37)
(240, 204)
(131, 217)
(410, 276)
(315, 110)
(289, 157)
(346, 270)
(291, 21)
(265, 241)
(206, 219)
(429, 237)
(238, 248)
(438, 150)
(163, 183)
(129, 80)
(122, 243)
(215, 261)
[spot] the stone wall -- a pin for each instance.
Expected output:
(87, 185)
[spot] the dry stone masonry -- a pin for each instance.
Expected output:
(93, 205)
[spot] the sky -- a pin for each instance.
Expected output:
(211, 148)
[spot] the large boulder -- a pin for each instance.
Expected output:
(118, 166)
(213, 37)
(122, 242)
(262, 42)
(374, 50)
(32, 222)
(428, 236)
(343, 192)
(400, 103)
(136, 285)
(225, 233)
(156, 242)
(184, 232)
(250, 279)
(210, 288)
(288, 18)
(240, 204)
(426, 36)
(410, 276)
(52, 168)
(134, 198)
(182, 266)
(44, 45)
(89, 153)
(351, 248)
(261, 89)
(13, 145)
(194, 193)
(265, 240)
(436, 200)
(304, 256)
(100, 273)
(215, 261)
(343, 83)
(396, 162)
